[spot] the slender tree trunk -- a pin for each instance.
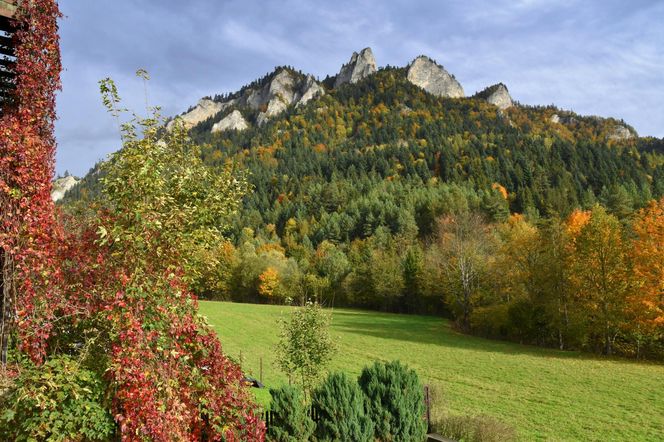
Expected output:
(607, 338)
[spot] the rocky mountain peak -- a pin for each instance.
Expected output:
(285, 89)
(360, 66)
(62, 185)
(270, 96)
(497, 95)
(433, 78)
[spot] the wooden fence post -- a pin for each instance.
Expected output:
(427, 401)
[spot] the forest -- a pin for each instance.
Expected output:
(378, 195)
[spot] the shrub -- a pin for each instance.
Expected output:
(395, 401)
(491, 321)
(474, 429)
(305, 345)
(56, 401)
(339, 404)
(290, 420)
(437, 402)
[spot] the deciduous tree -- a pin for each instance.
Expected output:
(305, 345)
(599, 274)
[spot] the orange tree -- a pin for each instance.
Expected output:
(647, 253)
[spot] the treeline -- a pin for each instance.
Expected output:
(590, 281)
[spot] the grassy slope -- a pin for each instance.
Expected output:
(545, 394)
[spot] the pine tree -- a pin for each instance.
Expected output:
(290, 419)
(339, 404)
(395, 401)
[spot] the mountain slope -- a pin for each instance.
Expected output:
(382, 152)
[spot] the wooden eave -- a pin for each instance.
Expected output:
(7, 9)
(7, 54)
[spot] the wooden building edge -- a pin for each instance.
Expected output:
(7, 56)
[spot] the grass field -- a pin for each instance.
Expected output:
(544, 394)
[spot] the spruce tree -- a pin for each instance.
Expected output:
(290, 421)
(339, 404)
(395, 402)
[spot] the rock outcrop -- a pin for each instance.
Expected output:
(433, 78)
(621, 133)
(311, 90)
(62, 185)
(270, 97)
(283, 90)
(497, 95)
(277, 95)
(232, 121)
(360, 66)
(205, 109)
(563, 119)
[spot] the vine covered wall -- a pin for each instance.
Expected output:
(27, 148)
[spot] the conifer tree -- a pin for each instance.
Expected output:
(339, 404)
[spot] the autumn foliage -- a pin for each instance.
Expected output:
(647, 255)
(28, 233)
(589, 282)
(111, 289)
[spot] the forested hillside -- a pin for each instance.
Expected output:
(385, 153)
(381, 195)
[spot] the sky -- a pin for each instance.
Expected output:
(593, 57)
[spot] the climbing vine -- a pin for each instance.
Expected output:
(108, 294)
(27, 146)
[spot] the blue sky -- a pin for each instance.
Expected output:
(594, 57)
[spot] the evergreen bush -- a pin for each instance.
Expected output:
(395, 402)
(290, 419)
(339, 404)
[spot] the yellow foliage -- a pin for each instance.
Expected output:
(576, 221)
(648, 257)
(500, 189)
(268, 282)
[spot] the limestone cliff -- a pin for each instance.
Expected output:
(232, 121)
(497, 95)
(360, 66)
(205, 109)
(268, 97)
(433, 78)
(62, 185)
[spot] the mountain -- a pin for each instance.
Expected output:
(433, 78)
(360, 66)
(369, 150)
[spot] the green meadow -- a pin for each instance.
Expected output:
(544, 394)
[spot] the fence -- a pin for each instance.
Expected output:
(268, 416)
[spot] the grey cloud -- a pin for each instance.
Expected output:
(597, 57)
